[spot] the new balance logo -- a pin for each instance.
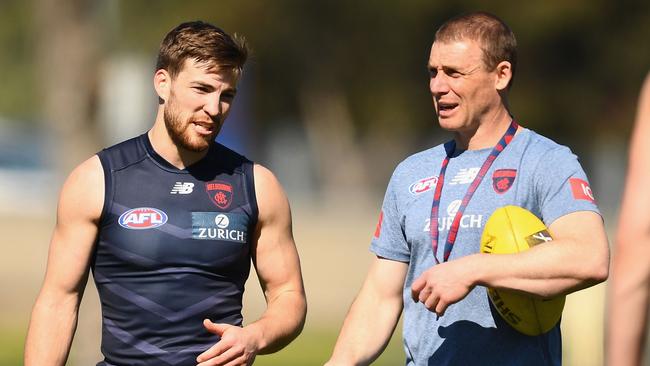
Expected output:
(465, 176)
(182, 188)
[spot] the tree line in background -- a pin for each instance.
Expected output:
(350, 74)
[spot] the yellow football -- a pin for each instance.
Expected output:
(512, 229)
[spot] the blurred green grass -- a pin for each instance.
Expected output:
(11, 346)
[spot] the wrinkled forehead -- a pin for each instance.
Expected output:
(455, 53)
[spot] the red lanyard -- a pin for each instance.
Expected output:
(453, 231)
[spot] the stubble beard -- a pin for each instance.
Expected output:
(177, 128)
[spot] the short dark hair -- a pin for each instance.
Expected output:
(496, 39)
(202, 42)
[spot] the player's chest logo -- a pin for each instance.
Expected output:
(502, 180)
(182, 188)
(423, 185)
(142, 218)
(231, 227)
(465, 176)
(220, 193)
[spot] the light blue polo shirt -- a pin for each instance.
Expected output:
(532, 172)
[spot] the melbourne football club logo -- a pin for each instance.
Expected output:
(220, 193)
(502, 179)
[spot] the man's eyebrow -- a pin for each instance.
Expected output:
(202, 84)
(451, 68)
(211, 87)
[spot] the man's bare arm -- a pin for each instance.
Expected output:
(629, 290)
(54, 316)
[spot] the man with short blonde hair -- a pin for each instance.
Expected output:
(427, 262)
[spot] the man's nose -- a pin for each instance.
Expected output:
(212, 107)
(438, 84)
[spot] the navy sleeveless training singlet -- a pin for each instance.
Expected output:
(173, 249)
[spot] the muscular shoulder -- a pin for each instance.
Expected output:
(83, 191)
(265, 180)
(270, 196)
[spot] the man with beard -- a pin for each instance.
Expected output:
(169, 222)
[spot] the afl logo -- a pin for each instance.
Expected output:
(142, 218)
(423, 185)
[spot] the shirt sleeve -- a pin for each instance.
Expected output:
(562, 186)
(389, 240)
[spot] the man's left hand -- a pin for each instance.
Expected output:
(442, 285)
(237, 347)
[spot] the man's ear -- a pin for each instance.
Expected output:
(503, 75)
(162, 83)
